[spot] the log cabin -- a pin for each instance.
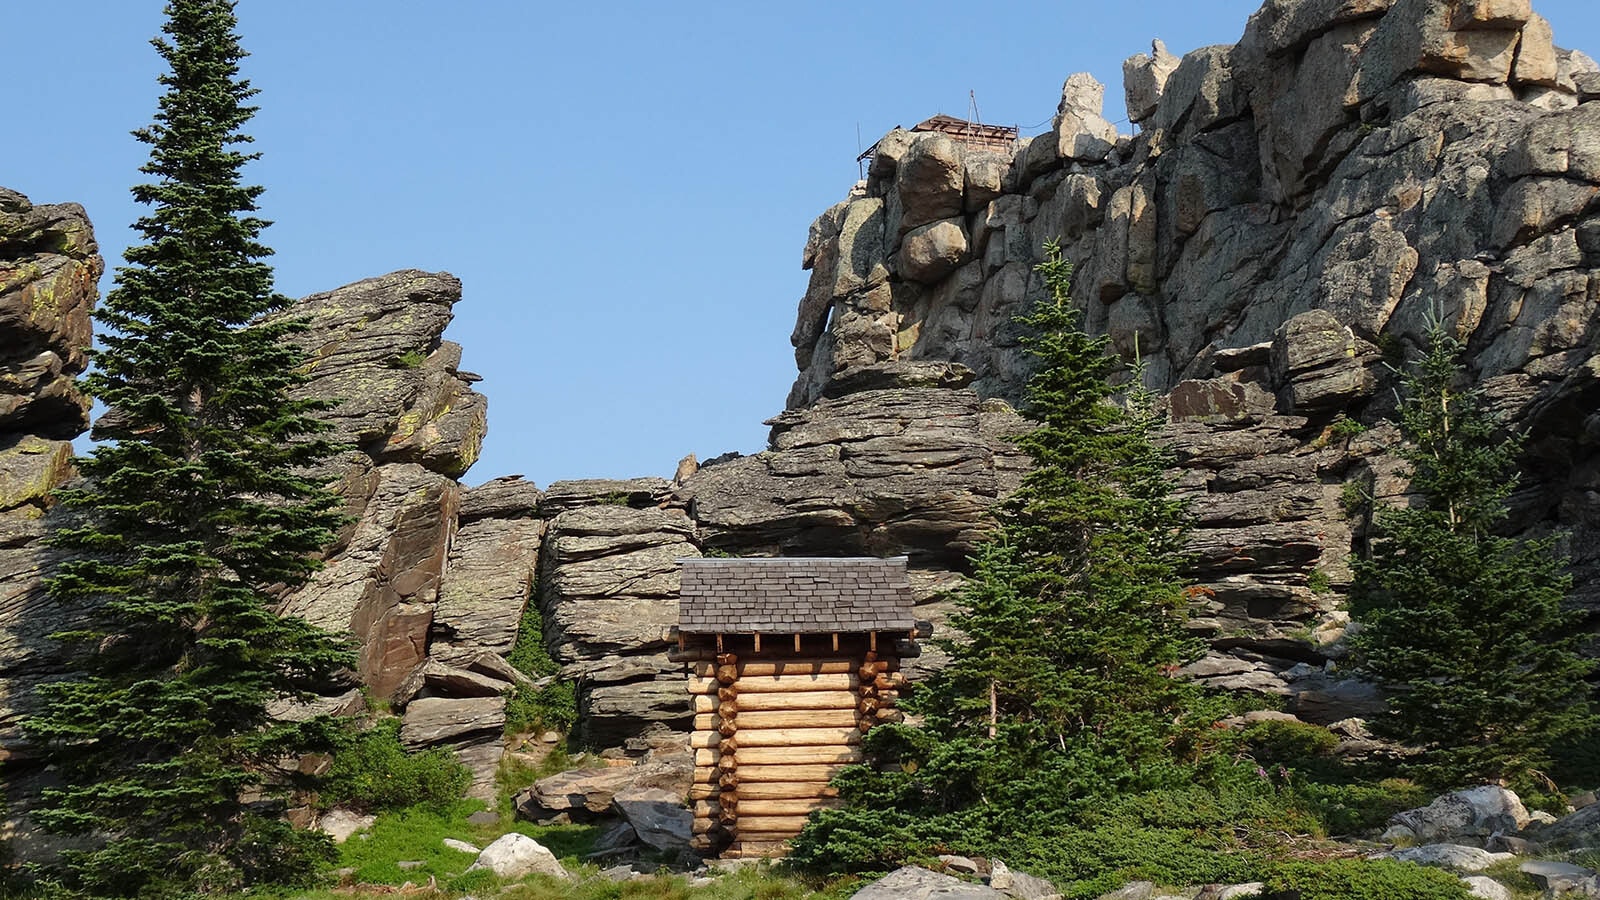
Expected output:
(791, 661)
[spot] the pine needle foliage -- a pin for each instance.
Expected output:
(1465, 627)
(194, 513)
(1060, 692)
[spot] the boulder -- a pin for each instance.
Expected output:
(1455, 857)
(507, 497)
(658, 816)
(1320, 364)
(1486, 888)
(513, 856)
(1144, 79)
(1020, 884)
(437, 720)
(1559, 879)
(1475, 813)
(340, 824)
(461, 846)
(585, 794)
(1576, 829)
(929, 252)
(929, 181)
(1081, 131)
(915, 883)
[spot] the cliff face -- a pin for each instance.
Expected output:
(1292, 212)
(49, 266)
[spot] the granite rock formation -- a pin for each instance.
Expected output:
(1292, 211)
(49, 268)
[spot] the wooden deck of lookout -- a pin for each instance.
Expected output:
(791, 662)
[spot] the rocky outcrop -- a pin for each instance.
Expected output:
(609, 592)
(49, 270)
(1292, 211)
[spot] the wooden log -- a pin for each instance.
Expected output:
(727, 674)
(728, 728)
(704, 826)
(706, 774)
(704, 739)
(785, 774)
(728, 779)
(805, 718)
(704, 757)
(706, 668)
(706, 809)
(842, 681)
(703, 844)
(705, 791)
(704, 704)
(785, 790)
(759, 756)
(890, 715)
(750, 826)
(758, 849)
(727, 659)
(798, 700)
(800, 806)
(797, 737)
(703, 685)
(889, 681)
(727, 763)
(726, 693)
(727, 746)
(707, 722)
(869, 705)
(796, 667)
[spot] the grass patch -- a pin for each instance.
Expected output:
(417, 834)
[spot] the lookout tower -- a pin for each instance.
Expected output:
(791, 661)
(975, 135)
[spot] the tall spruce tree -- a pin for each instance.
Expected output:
(193, 512)
(1076, 617)
(1060, 689)
(1465, 627)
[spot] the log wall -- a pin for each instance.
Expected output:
(771, 730)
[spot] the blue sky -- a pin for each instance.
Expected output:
(623, 188)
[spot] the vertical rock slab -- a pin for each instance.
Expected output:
(609, 589)
(382, 585)
(49, 270)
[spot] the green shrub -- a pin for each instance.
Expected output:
(553, 707)
(1345, 427)
(373, 771)
(1288, 743)
(1355, 879)
(1319, 582)
(1360, 807)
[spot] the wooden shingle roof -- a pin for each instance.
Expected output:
(794, 595)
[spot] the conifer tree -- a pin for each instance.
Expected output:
(193, 513)
(1076, 620)
(1060, 688)
(1466, 627)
